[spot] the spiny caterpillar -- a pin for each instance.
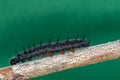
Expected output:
(50, 48)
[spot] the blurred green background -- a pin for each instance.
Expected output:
(24, 22)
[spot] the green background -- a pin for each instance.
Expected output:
(24, 22)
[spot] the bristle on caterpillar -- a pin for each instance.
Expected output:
(49, 48)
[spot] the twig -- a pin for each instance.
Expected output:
(59, 62)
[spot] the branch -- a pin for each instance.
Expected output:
(59, 62)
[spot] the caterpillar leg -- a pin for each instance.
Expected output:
(51, 54)
(44, 54)
(72, 50)
(62, 52)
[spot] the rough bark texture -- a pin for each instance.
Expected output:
(59, 62)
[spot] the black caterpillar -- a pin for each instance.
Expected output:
(49, 48)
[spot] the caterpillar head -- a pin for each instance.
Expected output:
(14, 61)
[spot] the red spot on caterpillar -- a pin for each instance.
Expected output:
(72, 50)
(51, 54)
(62, 52)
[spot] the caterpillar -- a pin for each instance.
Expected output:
(49, 48)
